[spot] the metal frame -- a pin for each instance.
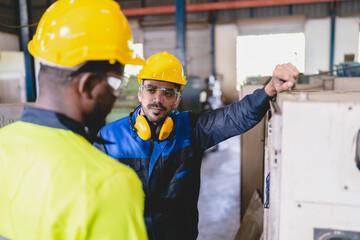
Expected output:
(25, 36)
(213, 6)
(181, 32)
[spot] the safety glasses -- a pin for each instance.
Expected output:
(116, 84)
(169, 93)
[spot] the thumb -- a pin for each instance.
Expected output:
(286, 85)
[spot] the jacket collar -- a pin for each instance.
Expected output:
(53, 119)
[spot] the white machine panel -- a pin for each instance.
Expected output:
(314, 179)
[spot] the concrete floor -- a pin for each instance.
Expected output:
(219, 200)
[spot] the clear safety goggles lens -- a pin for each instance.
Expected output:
(167, 92)
(116, 83)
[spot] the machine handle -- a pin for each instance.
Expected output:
(357, 153)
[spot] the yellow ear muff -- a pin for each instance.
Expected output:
(143, 128)
(166, 128)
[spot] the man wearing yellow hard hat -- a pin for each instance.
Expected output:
(165, 147)
(54, 183)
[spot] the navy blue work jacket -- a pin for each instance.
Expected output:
(170, 169)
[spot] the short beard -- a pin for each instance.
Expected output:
(158, 105)
(93, 121)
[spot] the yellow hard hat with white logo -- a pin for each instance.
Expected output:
(75, 31)
(163, 67)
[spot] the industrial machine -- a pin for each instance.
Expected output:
(312, 168)
(10, 113)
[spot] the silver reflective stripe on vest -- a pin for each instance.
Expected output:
(2, 238)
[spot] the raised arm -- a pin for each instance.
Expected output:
(213, 127)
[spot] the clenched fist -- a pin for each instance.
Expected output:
(284, 78)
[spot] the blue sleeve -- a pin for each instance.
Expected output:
(237, 118)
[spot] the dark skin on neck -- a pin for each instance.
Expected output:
(79, 99)
(69, 100)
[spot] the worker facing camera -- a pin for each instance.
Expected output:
(165, 147)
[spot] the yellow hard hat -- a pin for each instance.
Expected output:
(164, 67)
(75, 31)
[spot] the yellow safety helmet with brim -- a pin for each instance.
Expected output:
(72, 32)
(163, 67)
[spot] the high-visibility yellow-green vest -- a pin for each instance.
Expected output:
(55, 185)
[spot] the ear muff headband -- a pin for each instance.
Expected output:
(142, 128)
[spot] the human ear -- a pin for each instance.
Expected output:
(84, 86)
(176, 104)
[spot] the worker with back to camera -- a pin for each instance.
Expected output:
(54, 183)
(165, 147)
